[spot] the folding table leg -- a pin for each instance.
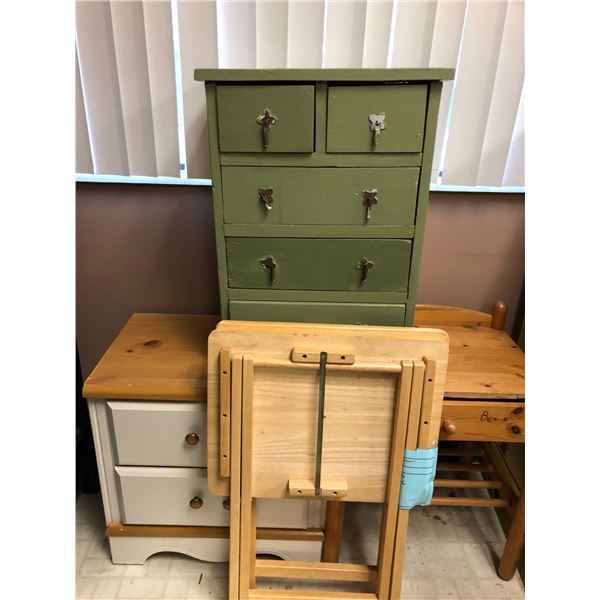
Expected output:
(235, 481)
(248, 504)
(390, 508)
(412, 436)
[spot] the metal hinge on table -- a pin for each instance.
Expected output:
(418, 473)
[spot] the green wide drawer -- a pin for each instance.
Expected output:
(349, 125)
(239, 106)
(318, 312)
(318, 264)
(320, 196)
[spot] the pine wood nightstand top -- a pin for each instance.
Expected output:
(155, 357)
(163, 357)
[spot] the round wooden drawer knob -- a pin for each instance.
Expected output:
(196, 502)
(191, 439)
(226, 504)
(449, 427)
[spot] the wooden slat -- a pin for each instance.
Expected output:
(461, 452)
(467, 483)
(291, 569)
(452, 501)
(390, 509)
(334, 523)
(248, 506)
(309, 595)
(412, 434)
(425, 426)
(416, 396)
(474, 468)
(225, 414)
(236, 476)
(175, 531)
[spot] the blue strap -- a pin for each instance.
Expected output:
(418, 473)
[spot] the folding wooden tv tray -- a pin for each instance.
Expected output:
(323, 411)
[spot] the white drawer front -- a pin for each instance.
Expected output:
(161, 496)
(154, 433)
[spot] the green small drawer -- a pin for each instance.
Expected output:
(318, 264)
(318, 312)
(349, 127)
(321, 196)
(238, 107)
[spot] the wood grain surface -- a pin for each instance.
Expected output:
(168, 361)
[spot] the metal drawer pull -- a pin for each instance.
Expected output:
(364, 265)
(196, 502)
(265, 120)
(227, 504)
(377, 124)
(269, 264)
(266, 197)
(369, 200)
(191, 439)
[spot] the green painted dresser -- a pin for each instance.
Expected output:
(320, 189)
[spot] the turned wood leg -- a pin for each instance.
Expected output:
(514, 542)
(334, 523)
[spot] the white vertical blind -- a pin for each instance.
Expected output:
(445, 48)
(377, 33)
(514, 173)
(198, 47)
(236, 21)
(482, 37)
(100, 84)
(344, 33)
(413, 31)
(505, 98)
(83, 151)
(271, 34)
(161, 79)
(134, 86)
(305, 33)
(128, 103)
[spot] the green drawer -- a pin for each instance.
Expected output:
(238, 107)
(318, 264)
(318, 312)
(349, 128)
(320, 196)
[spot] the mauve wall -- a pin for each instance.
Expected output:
(145, 248)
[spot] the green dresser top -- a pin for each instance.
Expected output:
(354, 75)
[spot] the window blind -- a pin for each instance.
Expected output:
(140, 112)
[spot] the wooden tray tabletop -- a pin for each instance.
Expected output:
(163, 357)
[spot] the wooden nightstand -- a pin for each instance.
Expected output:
(147, 402)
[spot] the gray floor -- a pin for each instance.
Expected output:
(450, 553)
